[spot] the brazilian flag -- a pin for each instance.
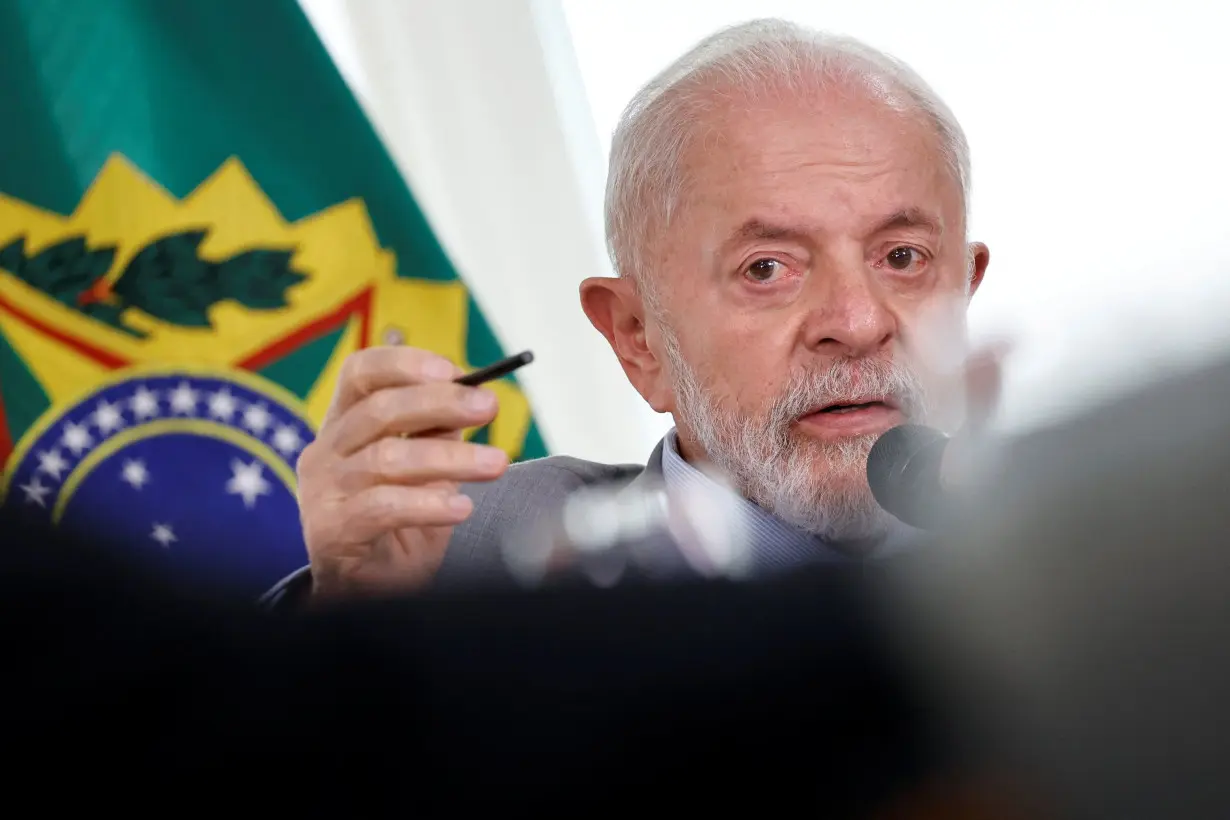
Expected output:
(197, 226)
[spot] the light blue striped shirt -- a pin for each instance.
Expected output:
(776, 545)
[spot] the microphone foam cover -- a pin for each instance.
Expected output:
(903, 472)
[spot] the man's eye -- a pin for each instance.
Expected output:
(765, 270)
(903, 258)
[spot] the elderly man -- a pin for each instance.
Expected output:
(786, 212)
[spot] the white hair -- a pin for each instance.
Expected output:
(645, 179)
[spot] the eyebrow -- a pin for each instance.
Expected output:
(755, 229)
(758, 229)
(910, 218)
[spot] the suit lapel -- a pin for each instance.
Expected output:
(651, 476)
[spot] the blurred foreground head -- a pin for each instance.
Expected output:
(1079, 608)
(787, 214)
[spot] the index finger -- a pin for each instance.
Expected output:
(379, 368)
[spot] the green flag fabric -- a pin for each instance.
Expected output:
(197, 226)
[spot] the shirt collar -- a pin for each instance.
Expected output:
(776, 545)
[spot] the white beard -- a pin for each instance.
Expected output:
(819, 487)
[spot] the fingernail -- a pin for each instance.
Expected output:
(460, 503)
(490, 457)
(480, 401)
(441, 369)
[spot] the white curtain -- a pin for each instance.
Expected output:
(482, 108)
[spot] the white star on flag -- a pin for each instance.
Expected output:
(163, 534)
(257, 419)
(108, 417)
(52, 463)
(286, 440)
(135, 473)
(247, 482)
(183, 399)
(35, 492)
(222, 405)
(77, 438)
(144, 403)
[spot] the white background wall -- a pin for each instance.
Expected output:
(481, 106)
(1101, 146)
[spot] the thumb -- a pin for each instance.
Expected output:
(984, 385)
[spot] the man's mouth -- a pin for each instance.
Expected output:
(852, 406)
(855, 417)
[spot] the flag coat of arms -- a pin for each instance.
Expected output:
(197, 226)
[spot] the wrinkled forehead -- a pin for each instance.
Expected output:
(800, 147)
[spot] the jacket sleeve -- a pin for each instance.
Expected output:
(288, 594)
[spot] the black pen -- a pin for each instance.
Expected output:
(481, 376)
(498, 370)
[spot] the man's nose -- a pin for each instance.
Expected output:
(848, 311)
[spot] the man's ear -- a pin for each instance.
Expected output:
(979, 256)
(617, 311)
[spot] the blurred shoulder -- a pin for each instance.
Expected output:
(526, 494)
(545, 480)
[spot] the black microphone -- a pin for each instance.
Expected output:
(903, 470)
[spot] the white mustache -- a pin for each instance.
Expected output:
(849, 382)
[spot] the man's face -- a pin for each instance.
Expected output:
(813, 287)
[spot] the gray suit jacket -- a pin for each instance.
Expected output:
(529, 492)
